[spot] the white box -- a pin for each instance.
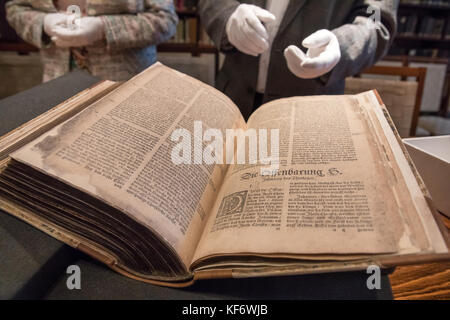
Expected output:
(431, 155)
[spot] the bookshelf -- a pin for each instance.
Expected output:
(424, 26)
(424, 35)
(190, 36)
(410, 43)
(425, 5)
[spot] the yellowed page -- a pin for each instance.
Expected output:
(421, 231)
(331, 194)
(119, 150)
(58, 114)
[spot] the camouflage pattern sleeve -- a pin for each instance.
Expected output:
(27, 21)
(151, 27)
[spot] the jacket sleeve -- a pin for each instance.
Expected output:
(155, 25)
(363, 41)
(28, 22)
(214, 16)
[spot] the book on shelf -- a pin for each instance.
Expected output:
(427, 27)
(187, 33)
(186, 5)
(447, 32)
(422, 52)
(431, 28)
(187, 29)
(97, 173)
(438, 29)
(407, 25)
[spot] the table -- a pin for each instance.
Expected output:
(428, 281)
(33, 265)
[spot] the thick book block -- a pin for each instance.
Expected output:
(30, 259)
(96, 173)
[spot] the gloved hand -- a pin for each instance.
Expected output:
(245, 30)
(323, 55)
(90, 30)
(52, 20)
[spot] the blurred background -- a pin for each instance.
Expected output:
(413, 79)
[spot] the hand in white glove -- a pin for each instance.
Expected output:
(89, 31)
(323, 55)
(245, 30)
(52, 20)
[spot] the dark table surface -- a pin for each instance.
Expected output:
(33, 265)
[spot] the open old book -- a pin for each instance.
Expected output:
(96, 172)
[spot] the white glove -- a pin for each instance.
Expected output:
(52, 20)
(245, 30)
(323, 55)
(89, 31)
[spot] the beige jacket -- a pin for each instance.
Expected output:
(132, 27)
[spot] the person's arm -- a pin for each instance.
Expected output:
(214, 16)
(157, 24)
(28, 22)
(363, 42)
